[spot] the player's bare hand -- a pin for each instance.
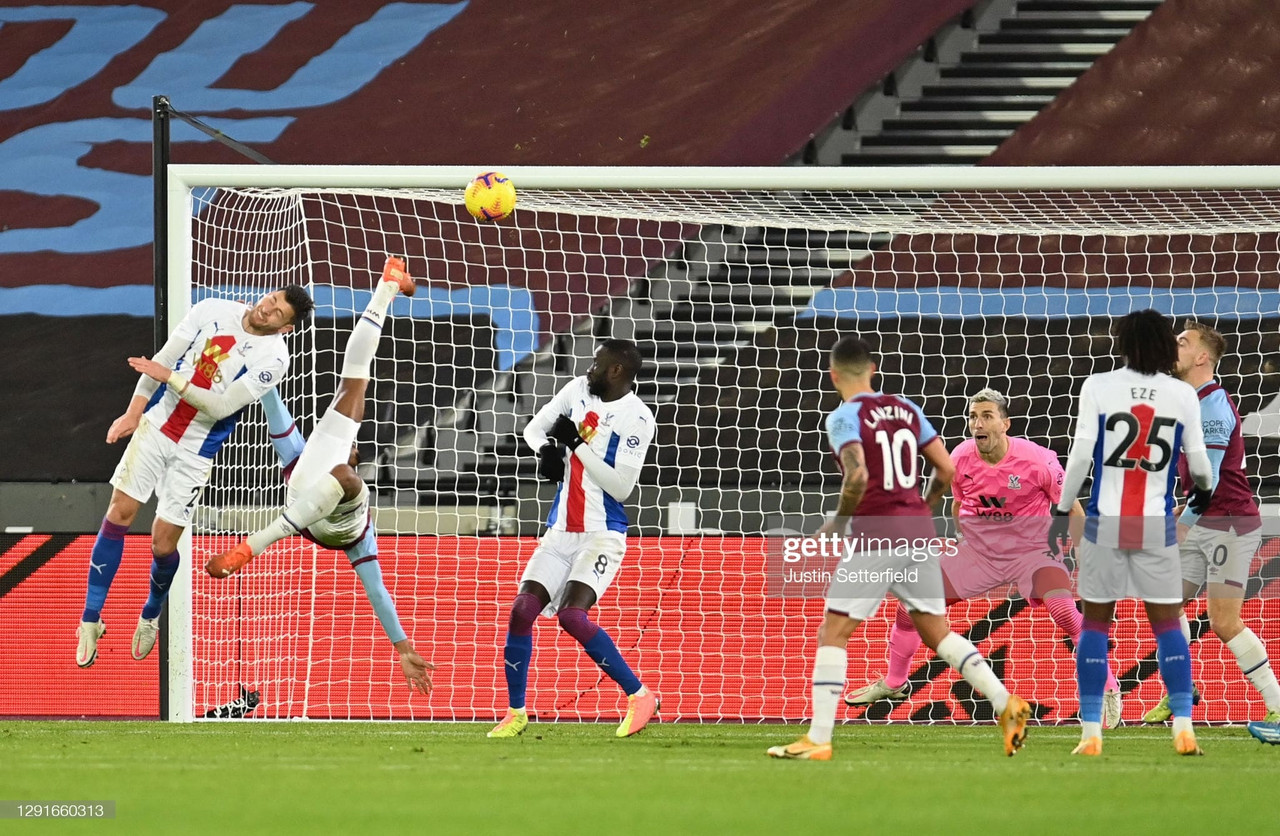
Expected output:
(122, 427)
(417, 671)
(150, 368)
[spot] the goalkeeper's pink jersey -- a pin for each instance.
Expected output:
(1004, 507)
(216, 351)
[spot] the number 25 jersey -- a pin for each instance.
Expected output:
(1136, 427)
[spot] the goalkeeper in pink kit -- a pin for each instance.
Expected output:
(1002, 493)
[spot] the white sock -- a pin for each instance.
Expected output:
(959, 653)
(829, 665)
(1186, 626)
(1251, 655)
(1181, 724)
(1088, 730)
(363, 343)
(310, 505)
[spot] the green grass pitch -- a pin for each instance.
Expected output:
(429, 778)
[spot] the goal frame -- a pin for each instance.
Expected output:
(178, 685)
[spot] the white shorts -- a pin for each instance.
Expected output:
(346, 526)
(1109, 574)
(859, 585)
(329, 446)
(154, 463)
(592, 558)
(971, 574)
(1218, 556)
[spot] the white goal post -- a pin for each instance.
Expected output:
(734, 280)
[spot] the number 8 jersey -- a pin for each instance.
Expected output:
(1132, 428)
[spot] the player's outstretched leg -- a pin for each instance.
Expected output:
(316, 496)
(642, 704)
(1013, 711)
(903, 643)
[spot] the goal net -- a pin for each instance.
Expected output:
(735, 284)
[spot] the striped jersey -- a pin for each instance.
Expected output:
(619, 432)
(1134, 428)
(216, 351)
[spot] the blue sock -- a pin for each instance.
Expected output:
(1174, 657)
(163, 568)
(1091, 669)
(605, 653)
(515, 657)
(104, 560)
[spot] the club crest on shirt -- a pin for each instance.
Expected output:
(216, 350)
(1015, 483)
(588, 426)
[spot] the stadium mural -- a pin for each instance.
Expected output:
(369, 82)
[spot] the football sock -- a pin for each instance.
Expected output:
(959, 653)
(363, 343)
(1251, 655)
(1069, 619)
(310, 505)
(104, 560)
(1092, 670)
(1185, 626)
(599, 647)
(829, 666)
(903, 643)
(518, 650)
(163, 568)
(1174, 658)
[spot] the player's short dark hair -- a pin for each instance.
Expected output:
(626, 353)
(1146, 341)
(298, 298)
(1212, 341)
(852, 354)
